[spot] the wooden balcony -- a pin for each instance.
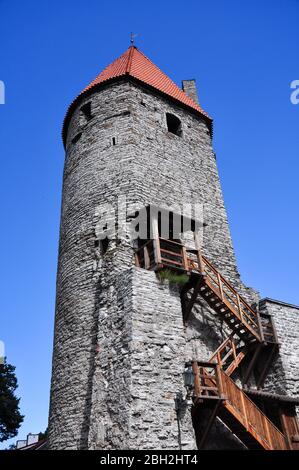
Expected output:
(157, 254)
(161, 253)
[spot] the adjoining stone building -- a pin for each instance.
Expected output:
(158, 343)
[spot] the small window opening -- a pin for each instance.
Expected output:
(76, 138)
(170, 232)
(86, 111)
(113, 141)
(104, 245)
(174, 125)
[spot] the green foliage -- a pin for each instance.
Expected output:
(10, 417)
(172, 277)
(43, 435)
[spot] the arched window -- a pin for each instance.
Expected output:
(174, 125)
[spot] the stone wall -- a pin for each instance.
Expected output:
(139, 368)
(120, 345)
(283, 377)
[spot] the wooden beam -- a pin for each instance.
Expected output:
(220, 286)
(185, 259)
(252, 363)
(285, 429)
(262, 376)
(196, 379)
(192, 300)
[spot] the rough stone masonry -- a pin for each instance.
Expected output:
(120, 344)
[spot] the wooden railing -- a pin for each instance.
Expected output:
(163, 252)
(212, 379)
(173, 255)
(251, 417)
(207, 380)
(226, 292)
(212, 382)
(228, 356)
(145, 255)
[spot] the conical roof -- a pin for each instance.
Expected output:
(133, 63)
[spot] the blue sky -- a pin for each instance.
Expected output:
(244, 57)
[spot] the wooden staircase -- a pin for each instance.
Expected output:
(216, 391)
(231, 307)
(252, 341)
(229, 355)
(252, 337)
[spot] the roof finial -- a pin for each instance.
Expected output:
(132, 38)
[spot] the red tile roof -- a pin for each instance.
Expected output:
(134, 63)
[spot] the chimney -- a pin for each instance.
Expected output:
(189, 87)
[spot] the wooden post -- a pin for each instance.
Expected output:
(219, 360)
(219, 381)
(185, 259)
(233, 346)
(285, 429)
(259, 322)
(239, 308)
(147, 261)
(197, 388)
(273, 329)
(268, 431)
(199, 255)
(156, 240)
(220, 285)
(244, 409)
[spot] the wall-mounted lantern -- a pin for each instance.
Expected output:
(188, 377)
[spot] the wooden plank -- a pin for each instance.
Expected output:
(240, 309)
(284, 424)
(170, 242)
(258, 433)
(170, 261)
(235, 364)
(219, 381)
(252, 362)
(146, 257)
(269, 360)
(233, 310)
(220, 285)
(197, 388)
(172, 253)
(185, 259)
(268, 432)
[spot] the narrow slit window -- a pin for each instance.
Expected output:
(76, 138)
(86, 112)
(104, 245)
(174, 125)
(113, 141)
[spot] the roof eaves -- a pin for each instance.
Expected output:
(278, 302)
(129, 77)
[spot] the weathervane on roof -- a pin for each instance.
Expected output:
(132, 38)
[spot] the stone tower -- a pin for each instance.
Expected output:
(132, 138)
